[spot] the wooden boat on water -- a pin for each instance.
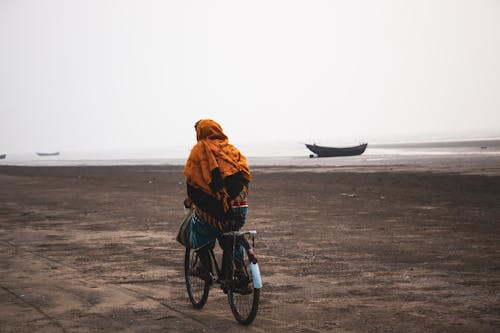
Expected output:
(3, 156)
(48, 154)
(323, 151)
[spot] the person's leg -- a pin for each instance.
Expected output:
(204, 255)
(203, 237)
(204, 268)
(234, 276)
(227, 242)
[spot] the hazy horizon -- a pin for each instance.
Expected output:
(136, 75)
(279, 150)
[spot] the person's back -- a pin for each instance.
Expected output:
(217, 178)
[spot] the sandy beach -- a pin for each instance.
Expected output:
(407, 247)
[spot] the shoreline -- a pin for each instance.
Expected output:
(479, 164)
(279, 154)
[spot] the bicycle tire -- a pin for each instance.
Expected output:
(197, 288)
(244, 306)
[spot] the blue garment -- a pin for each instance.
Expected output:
(204, 233)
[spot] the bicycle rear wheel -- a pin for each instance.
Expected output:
(244, 299)
(197, 288)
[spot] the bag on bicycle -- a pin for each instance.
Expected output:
(184, 234)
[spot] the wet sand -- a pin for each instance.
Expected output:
(348, 249)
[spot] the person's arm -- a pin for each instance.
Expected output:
(191, 163)
(188, 203)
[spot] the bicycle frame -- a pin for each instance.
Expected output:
(242, 286)
(236, 235)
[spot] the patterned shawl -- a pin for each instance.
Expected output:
(213, 159)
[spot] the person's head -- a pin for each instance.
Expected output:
(209, 129)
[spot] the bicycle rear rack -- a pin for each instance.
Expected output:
(240, 233)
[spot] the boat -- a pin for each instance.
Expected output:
(323, 151)
(48, 154)
(3, 156)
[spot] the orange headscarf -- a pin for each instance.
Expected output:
(213, 155)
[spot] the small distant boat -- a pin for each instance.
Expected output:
(323, 151)
(3, 156)
(48, 154)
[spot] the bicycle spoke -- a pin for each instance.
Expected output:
(243, 303)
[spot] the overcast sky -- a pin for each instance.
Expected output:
(93, 75)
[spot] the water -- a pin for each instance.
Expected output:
(292, 154)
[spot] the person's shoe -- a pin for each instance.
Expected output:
(240, 284)
(201, 273)
(243, 287)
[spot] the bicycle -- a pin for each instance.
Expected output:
(243, 302)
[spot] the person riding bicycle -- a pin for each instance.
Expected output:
(217, 178)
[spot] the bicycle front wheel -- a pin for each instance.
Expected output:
(244, 299)
(197, 288)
